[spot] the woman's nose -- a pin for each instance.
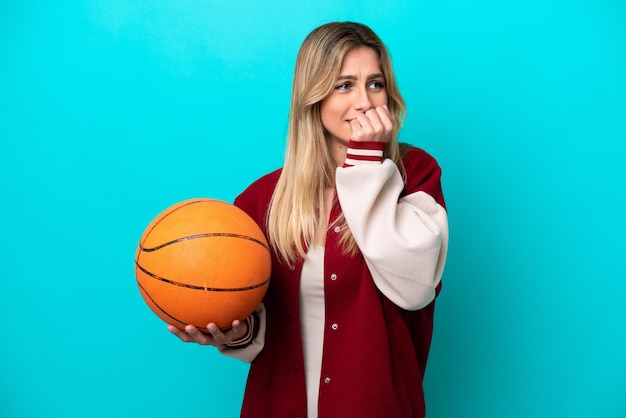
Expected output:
(362, 100)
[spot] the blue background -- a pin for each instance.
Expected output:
(112, 111)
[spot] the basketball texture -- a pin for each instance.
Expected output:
(201, 261)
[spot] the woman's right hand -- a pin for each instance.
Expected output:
(216, 337)
(374, 124)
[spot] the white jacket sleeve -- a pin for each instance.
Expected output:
(404, 240)
(249, 346)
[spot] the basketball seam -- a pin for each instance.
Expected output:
(207, 235)
(156, 304)
(195, 287)
(191, 202)
(143, 289)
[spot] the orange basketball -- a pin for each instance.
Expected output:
(201, 261)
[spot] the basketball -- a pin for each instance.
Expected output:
(200, 261)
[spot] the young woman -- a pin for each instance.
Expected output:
(358, 227)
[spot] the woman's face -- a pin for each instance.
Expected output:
(359, 88)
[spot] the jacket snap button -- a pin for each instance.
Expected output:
(335, 326)
(333, 276)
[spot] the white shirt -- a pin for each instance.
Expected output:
(312, 314)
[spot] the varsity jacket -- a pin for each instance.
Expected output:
(379, 303)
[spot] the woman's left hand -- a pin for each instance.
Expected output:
(215, 337)
(372, 125)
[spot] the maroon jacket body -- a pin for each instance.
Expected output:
(374, 352)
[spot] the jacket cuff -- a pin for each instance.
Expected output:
(360, 153)
(253, 329)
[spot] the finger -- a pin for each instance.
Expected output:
(385, 118)
(182, 335)
(374, 118)
(216, 334)
(356, 129)
(363, 121)
(196, 336)
(242, 331)
(361, 128)
(384, 115)
(237, 330)
(375, 122)
(373, 128)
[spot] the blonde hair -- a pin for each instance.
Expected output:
(294, 212)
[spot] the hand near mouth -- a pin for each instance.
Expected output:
(372, 125)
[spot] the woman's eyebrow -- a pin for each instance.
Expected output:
(353, 77)
(377, 75)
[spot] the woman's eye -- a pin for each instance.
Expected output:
(342, 86)
(377, 85)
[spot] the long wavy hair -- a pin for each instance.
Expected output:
(295, 208)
